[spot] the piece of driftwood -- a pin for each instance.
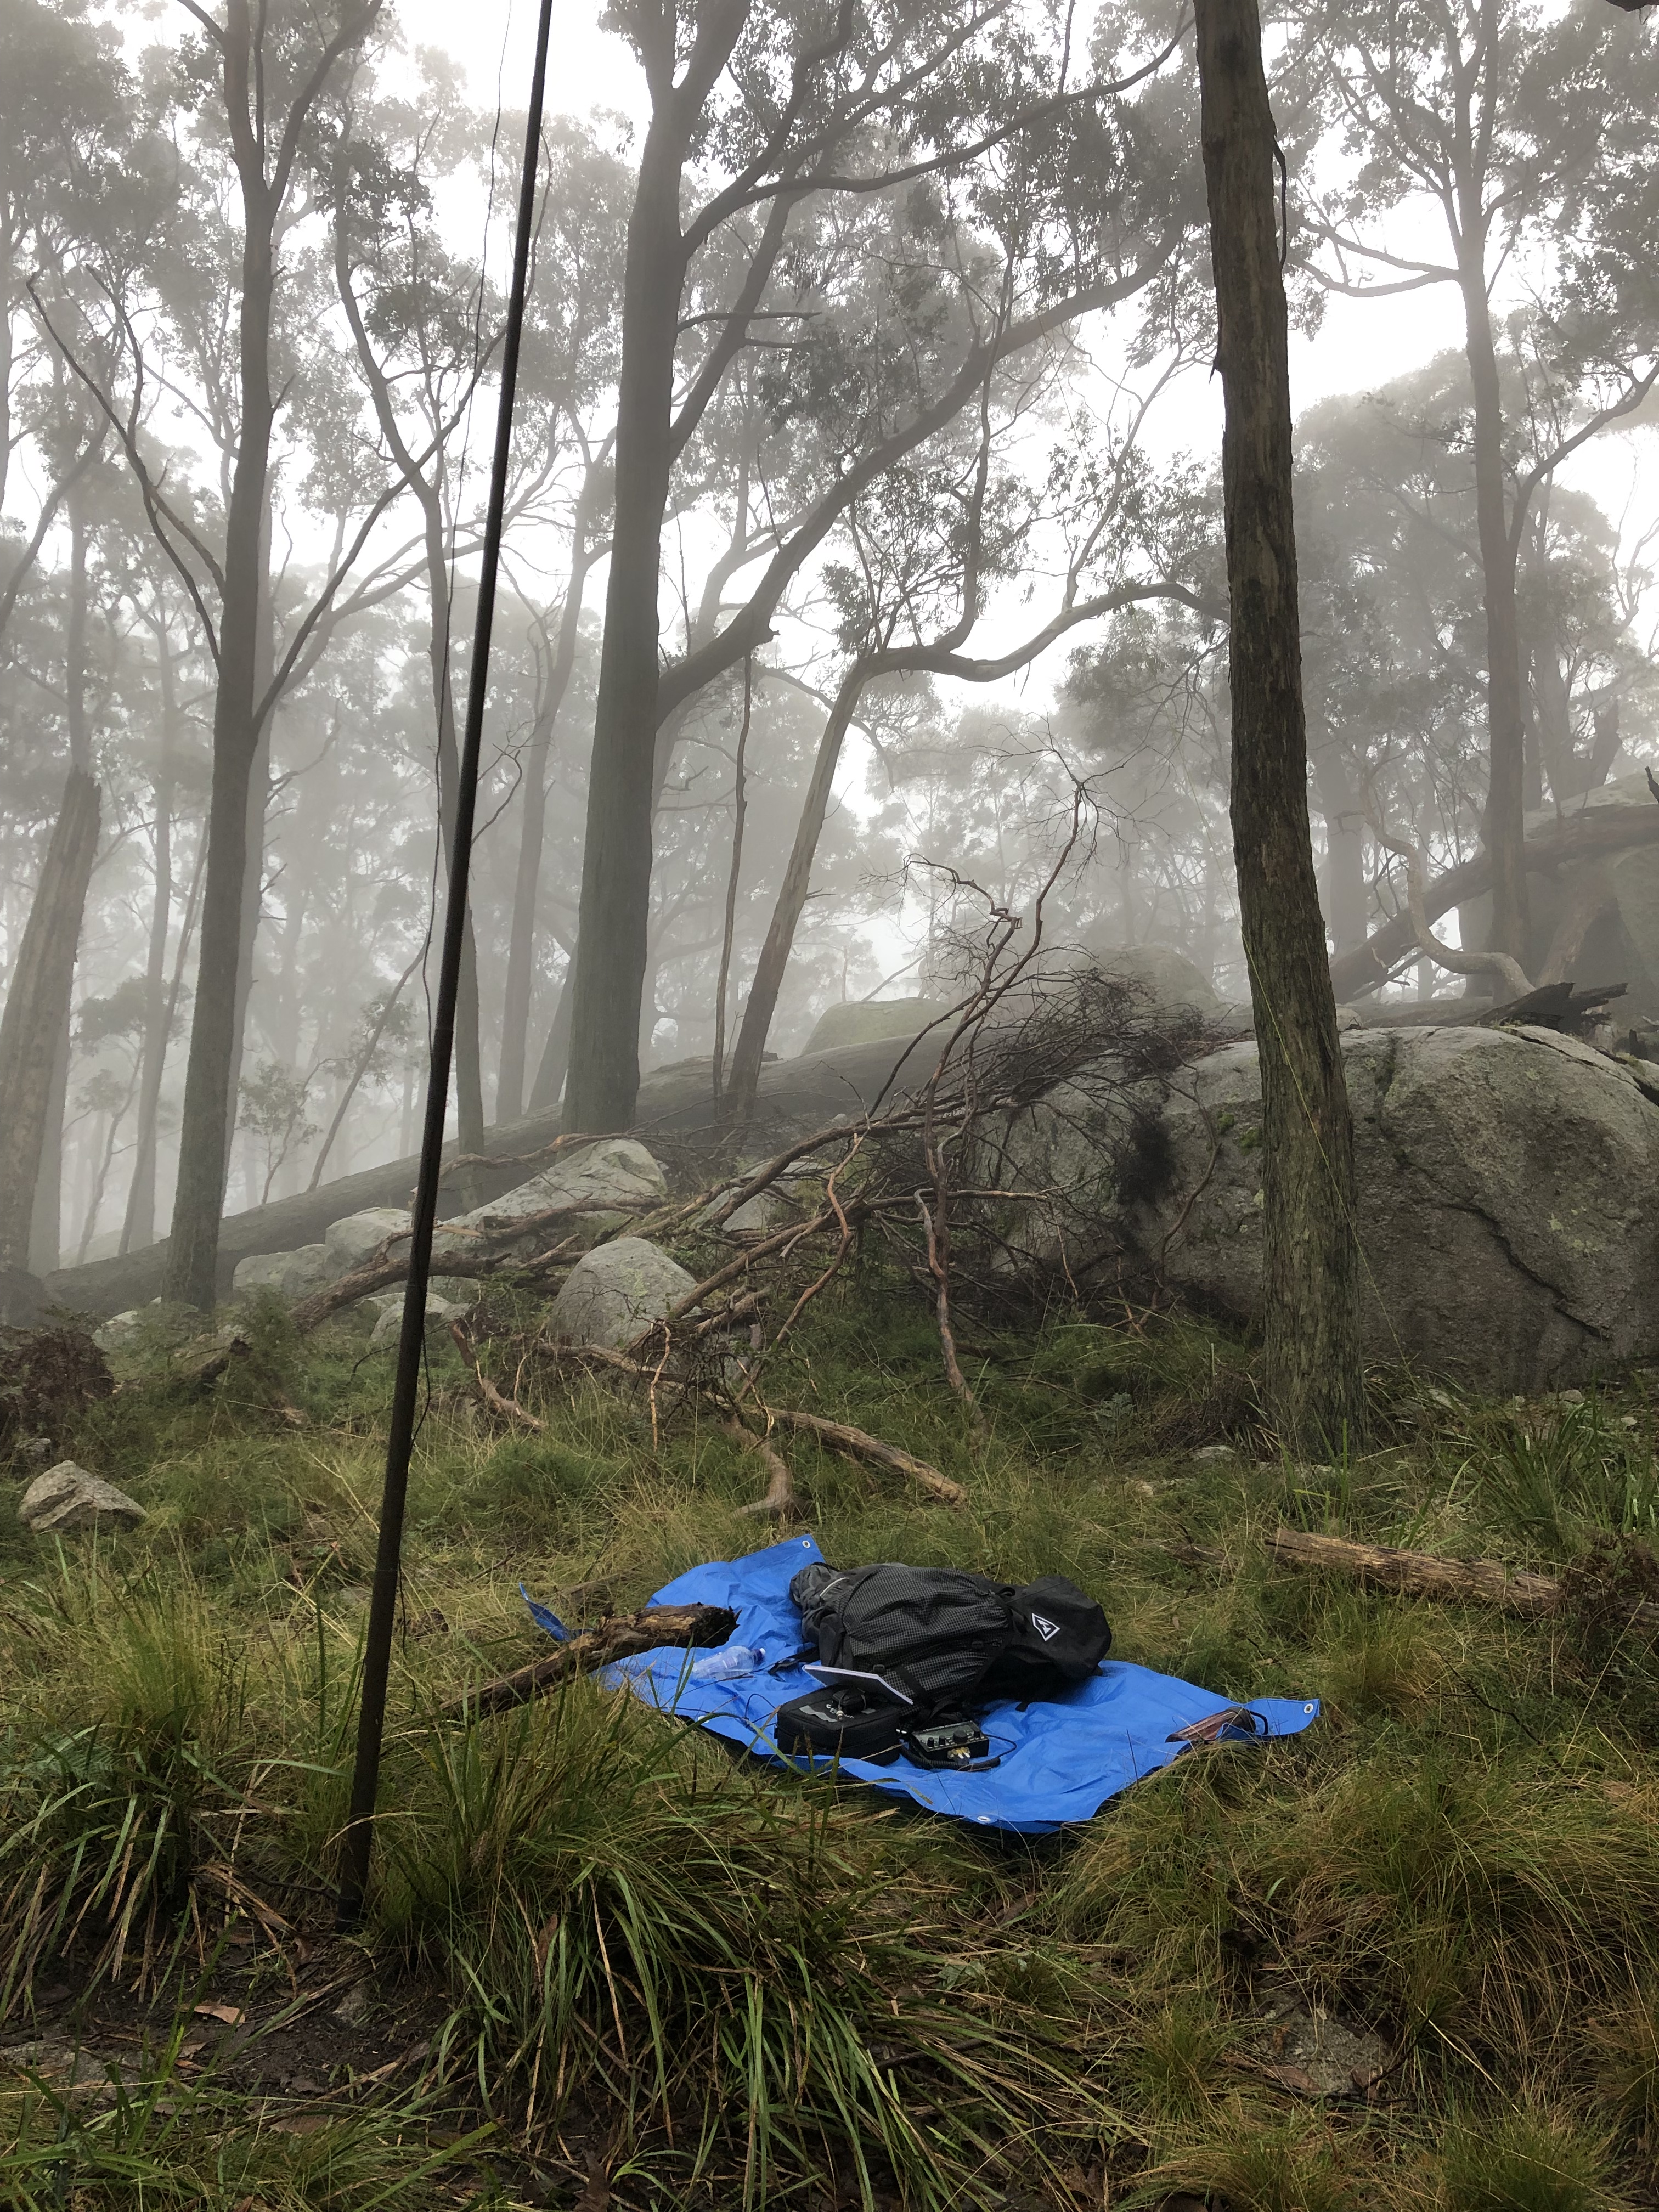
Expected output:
(1420, 1574)
(695, 1627)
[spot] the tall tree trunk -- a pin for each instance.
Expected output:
(47, 1219)
(1504, 829)
(258, 806)
(556, 1052)
(139, 1225)
(613, 916)
(204, 1127)
(1347, 895)
(1311, 1273)
(761, 1003)
(521, 939)
(37, 1011)
(469, 1055)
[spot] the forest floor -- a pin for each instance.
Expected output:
(1410, 1957)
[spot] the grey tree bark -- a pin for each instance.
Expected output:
(263, 175)
(36, 1016)
(1310, 1257)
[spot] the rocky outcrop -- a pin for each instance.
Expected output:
(66, 1497)
(616, 1178)
(389, 1312)
(349, 1241)
(1507, 1200)
(612, 1293)
(290, 1274)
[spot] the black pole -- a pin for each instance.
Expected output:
(400, 1436)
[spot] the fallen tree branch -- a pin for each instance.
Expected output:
(695, 1627)
(1583, 836)
(858, 1443)
(1507, 970)
(489, 1250)
(780, 1503)
(508, 1409)
(840, 1436)
(1419, 1574)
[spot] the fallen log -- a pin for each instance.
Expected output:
(805, 1093)
(1583, 836)
(1418, 1574)
(693, 1627)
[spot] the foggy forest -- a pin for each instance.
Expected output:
(829, 781)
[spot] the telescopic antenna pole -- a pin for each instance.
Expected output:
(400, 1436)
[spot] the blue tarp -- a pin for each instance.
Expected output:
(1062, 1757)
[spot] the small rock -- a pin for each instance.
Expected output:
(611, 1294)
(355, 2004)
(290, 1274)
(439, 1312)
(1316, 2055)
(349, 1241)
(608, 1177)
(1207, 1454)
(1570, 1398)
(37, 1450)
(118, 1331)
(66, 1496)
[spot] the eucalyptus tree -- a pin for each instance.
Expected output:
(764, 121)
(243, 94)
(1528, 138)
(924, 556)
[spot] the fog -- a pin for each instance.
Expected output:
(933, 518)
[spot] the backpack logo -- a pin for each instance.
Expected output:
(1048, 1630)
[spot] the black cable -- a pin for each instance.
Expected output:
(359, 1837)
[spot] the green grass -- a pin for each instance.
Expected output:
(759, 1991)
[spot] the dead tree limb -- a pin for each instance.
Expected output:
(1585, 835)
(1417, 1574)
(693, 1627)
(508, 1409)
(858, 1443)
(486, 1251)
(780, 1503)
(1508, 971)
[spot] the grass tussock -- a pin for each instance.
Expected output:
(638, 1956)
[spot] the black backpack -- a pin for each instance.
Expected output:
(902, 1651)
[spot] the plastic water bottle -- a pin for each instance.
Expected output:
(729, 1664)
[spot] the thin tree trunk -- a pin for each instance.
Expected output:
(205, 1125)
(1504, 826)
(469, 1055)
(521, 931)
(138, 1226)
(613, 916)
(1310, 1256)
(259, 806)
(762, 1000)
(556, 1052)
(739, 808)
(37, 1011)
(360, 1069)
(1347, 895)
(521, 939)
